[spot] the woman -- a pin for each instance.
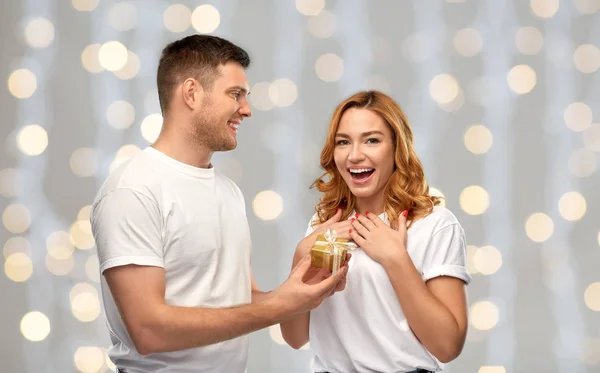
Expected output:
(404, 307)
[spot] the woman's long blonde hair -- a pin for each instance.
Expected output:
(406, 189)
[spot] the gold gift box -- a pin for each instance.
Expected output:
(329, 252)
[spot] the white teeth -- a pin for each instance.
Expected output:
(234, 125)
(359, 170)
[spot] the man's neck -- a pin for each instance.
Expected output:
(175, 145)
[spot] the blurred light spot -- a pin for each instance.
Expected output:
(487, 260)
(539, 227)
(591, 351)
(455, 104)
(329, 67)
(59, 245)
(112, 55)
(578, 116)
(85, 5)
(122, 16)
(32, 139)
(90, 58)
(177, 18)
(529, 40)
(276, 336)
(81, 235)
(120, 114)
(471, 251)
(468, 42)
(85, 305)
(267, 205)
(479, 90)
(15, 245)
(582, 162)
(478, 139)
(420, 47)
(22, 83)
(206, 19)
(39, 33)
(484, 315)
(591, 138)
(35, 326)
(283, 92)
(587, 58)
(59, 267)
(572, 206)
(544, 8)
(18, 267)
(310, 7)
(587, 7)
(9, 186)
(16, 218)
(492, 369)
(592, 296)
(151, 126)
(131, 68)
(474, 200)
(443, 88)
(259, 98)
(522, 79)
(83, 162)
(322, 26)
(124, 154)
(84, 213)
(92, 268)
(379, 83)
(89, 359)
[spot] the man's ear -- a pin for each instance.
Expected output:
(192, 93)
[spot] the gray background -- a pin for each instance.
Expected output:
(547, 322)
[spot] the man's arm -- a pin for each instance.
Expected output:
(154, 326)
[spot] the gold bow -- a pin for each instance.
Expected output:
(337, 248)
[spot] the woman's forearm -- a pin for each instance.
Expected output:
(432, 322)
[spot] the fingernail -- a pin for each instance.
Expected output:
(357, 214)
(350, 231)
(405, 213)
(338, 209)
(352, 220)
(367, 213)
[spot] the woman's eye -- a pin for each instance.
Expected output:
(342, 142)
(372, 141)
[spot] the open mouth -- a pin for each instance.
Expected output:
(361, 174)
(233, 126)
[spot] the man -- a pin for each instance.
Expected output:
(173, 237)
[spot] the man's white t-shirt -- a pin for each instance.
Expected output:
(156, 211)
(363, 329)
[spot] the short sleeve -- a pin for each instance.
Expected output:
(127, 228)
(446, 254)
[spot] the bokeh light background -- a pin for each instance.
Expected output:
(503, 96)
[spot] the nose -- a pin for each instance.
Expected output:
(356, 154)
(244, 109)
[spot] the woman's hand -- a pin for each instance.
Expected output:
(377, 239)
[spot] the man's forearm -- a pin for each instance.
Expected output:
(178, 328)
(260, 296)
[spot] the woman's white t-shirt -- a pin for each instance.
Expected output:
(363, 328)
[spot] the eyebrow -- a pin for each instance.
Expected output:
(240, 88)
(365, 134)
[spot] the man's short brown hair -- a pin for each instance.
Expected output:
(195, 56)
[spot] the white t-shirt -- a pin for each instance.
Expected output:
(156, 211)
(363, 329)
